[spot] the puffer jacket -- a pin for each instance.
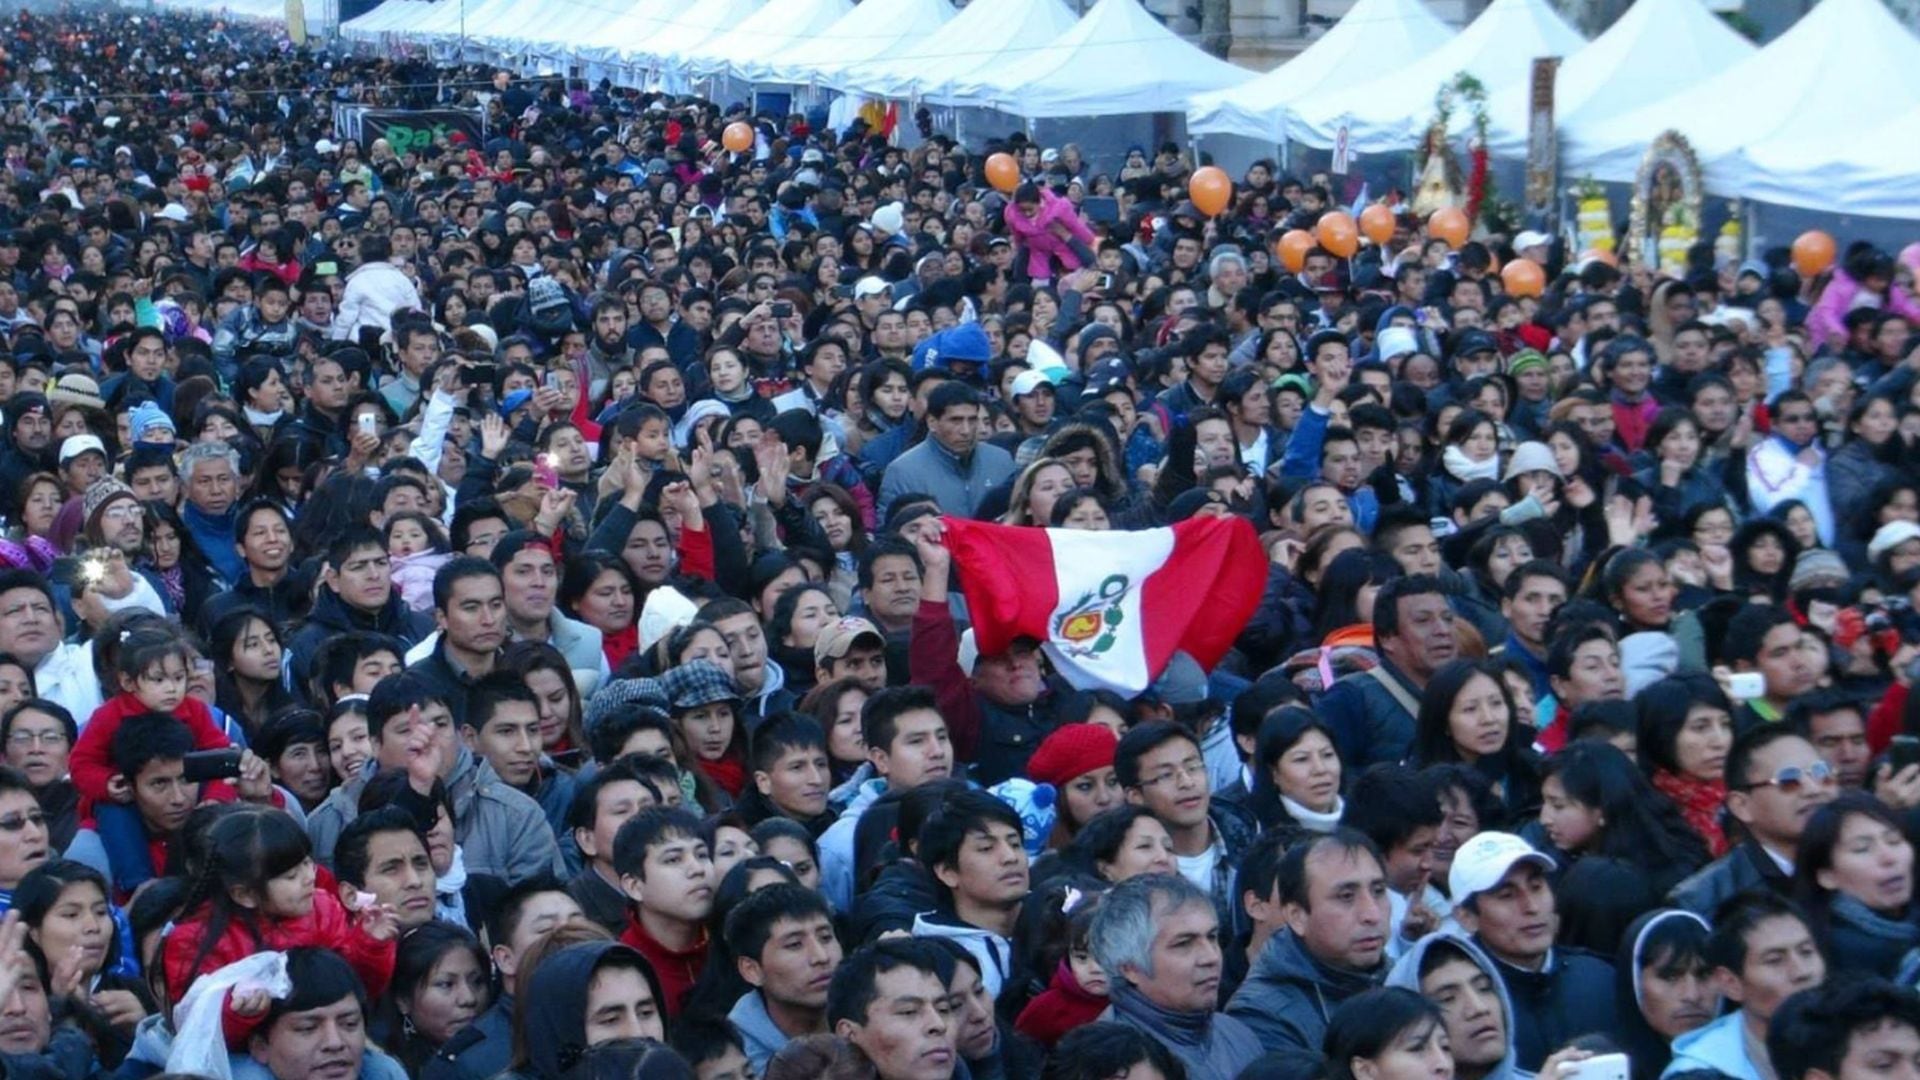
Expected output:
(374, 293)
(1288, 996)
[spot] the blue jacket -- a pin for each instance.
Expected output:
(957, 485)
(1720, 1046)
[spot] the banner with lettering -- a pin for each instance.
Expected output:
(413, 129)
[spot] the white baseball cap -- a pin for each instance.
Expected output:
(81, 444)
(870, 286)
(1530, 238)
(1484, 860)
(1028, 381)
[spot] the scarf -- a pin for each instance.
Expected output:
(729, 772)
(261, 419)
(1898, 934)
(449, 904)
(176, 585)
(1465, 468)
(1699, 802)
(1184, 1029)
(1313, 820)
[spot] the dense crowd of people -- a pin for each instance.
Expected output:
(485, 610)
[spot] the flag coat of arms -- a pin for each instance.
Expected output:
(1110, 608)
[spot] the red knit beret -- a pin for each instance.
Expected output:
(1072, 750)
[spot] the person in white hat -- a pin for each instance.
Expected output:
(1503, 898)
(1533, 245)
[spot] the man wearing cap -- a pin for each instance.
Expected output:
(871, 296)
(962, 351)
(1033, 398)
(1503, 898)
(851, 648)
(951, 464)
(1533, 245)
(83, 460)
(999, 708)
(1533, 382)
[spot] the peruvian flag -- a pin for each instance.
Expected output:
(1110, 608)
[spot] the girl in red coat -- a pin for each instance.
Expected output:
(257, 892)
(1077, 995)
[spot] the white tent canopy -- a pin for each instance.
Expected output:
(873, 30)
(1391, 112)
(1373, 36)
(1658, 48)
(634, 28)
(1844, 65)
(1117, 60)
(767, 32)
(1868, 172)
(986, 35)
(388, 17)
(696, 23)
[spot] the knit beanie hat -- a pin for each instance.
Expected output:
(146, 415)
(99, 494)
(1816, 567)
(1072, 750)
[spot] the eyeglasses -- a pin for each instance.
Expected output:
(1192, 769)
(1790, 778)
(24, 739)
(1796, 418)
(14, 823)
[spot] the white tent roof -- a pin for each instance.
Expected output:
(874, 29)
(1391, 112)
(445, 20)
(1842, 66)
(1373, 36)
(1846, 172)
(1116, 60)
(767, 32)
(987, 34)
(633, 28)
(563, 21)
(693, 24)
(390, 15)
(1659, 47)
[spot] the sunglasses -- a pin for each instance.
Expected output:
(1791, 778)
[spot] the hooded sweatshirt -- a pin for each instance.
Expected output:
(556, 1033)
(1406, 974)
(994, 953)
(1647, 1048)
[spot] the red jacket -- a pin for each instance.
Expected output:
(1061, 1007)
(92, 761)
(677, 971)
(933, 661)
(328, 926)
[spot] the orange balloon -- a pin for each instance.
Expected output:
(1338, 234)
(1292, 249)
(1210, 190)
(1376, 222)
(1003, 173)
(1450, 224)
(1812, 252)
(1523, 277)
(1597, 255)
(738, 137)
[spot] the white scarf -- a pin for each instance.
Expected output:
(261, 419)
(449, 905)
(1313, 820)
(1465, 468)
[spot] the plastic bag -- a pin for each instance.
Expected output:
(199, 1042)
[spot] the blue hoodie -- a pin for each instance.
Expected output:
(966, 343)
(1720, 1046)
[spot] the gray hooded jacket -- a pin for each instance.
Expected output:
(1406, 974)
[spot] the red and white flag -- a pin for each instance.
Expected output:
(1110, 608)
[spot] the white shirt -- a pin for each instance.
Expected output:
(1199, 868)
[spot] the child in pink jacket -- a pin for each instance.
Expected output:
(1049, 228)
